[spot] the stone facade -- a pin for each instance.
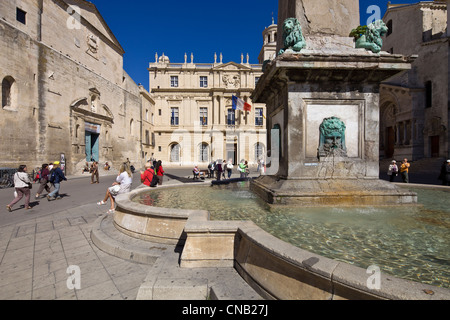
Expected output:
(193, 111)
(62, 78)
(147, 124)
(415, 105)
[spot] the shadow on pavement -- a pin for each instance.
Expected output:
(182, 179)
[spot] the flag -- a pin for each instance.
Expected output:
(239, 104)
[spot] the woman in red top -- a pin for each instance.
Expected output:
(159, 172)
(147, 175)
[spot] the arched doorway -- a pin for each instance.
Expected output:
(175, 152)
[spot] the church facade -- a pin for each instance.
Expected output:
(65, 95)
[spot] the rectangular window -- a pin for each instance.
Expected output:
(147, 137)
(174, 119)
(231, 117)
(174, 81)
(259, 117)
(204, 116)
(21, 16)
(203, 82)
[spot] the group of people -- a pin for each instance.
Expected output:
(49, 175)
(223, 169)
(153, 174)
(394, 170)
(93, 169)
(403, 170)
(52, 175)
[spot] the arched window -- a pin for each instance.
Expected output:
(131, 127)
(8, 92)
(175, 153)
(203, 153)
(390, 28)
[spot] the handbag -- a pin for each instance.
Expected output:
(114, 190)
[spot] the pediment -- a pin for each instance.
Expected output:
(81, 106)
(232, 66)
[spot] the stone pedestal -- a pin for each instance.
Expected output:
(329, 78)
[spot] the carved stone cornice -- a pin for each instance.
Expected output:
(316, 68)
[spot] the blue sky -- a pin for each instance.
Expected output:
(203, 27)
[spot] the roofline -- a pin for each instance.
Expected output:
(391, 7)
(102, 20)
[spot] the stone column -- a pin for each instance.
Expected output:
(324, 17)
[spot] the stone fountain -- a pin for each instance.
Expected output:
(322, 98)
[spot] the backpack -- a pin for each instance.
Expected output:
(52, 176)
(38, 176)
(154, 181)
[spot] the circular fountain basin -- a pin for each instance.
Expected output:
(409, 242)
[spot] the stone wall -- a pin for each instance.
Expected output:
(61, 80)
(419, 29)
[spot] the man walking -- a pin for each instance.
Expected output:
(56, 176)
(94, 172)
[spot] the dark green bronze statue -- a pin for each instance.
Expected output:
(332, 137)
(293, 39)
(369, 37)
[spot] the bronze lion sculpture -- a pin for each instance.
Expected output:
(293, 39)
(369, 37)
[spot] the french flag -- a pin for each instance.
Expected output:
(239, 104)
